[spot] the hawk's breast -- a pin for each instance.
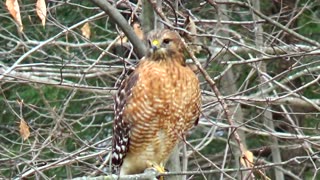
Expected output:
(164, 104)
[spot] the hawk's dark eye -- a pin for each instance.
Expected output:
(166, 41)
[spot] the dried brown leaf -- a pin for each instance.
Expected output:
(192, 28)
(137, 30)
(86, 31)
(247, 159)
(41, 9)
(24, 130)
(14, 10)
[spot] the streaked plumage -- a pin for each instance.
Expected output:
(154, 106)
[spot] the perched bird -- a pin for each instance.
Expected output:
(155, 106)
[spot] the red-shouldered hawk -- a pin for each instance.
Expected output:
(154, 106)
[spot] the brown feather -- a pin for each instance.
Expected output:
(163, 103)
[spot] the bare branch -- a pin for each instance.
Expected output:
(123, 24)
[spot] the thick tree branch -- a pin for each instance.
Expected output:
(115, 15)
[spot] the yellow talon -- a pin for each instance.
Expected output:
(158, 167)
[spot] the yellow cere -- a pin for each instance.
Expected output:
(155, 43)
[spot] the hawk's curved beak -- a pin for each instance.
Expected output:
(155, 44)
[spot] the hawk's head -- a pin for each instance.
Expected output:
(164, 45)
